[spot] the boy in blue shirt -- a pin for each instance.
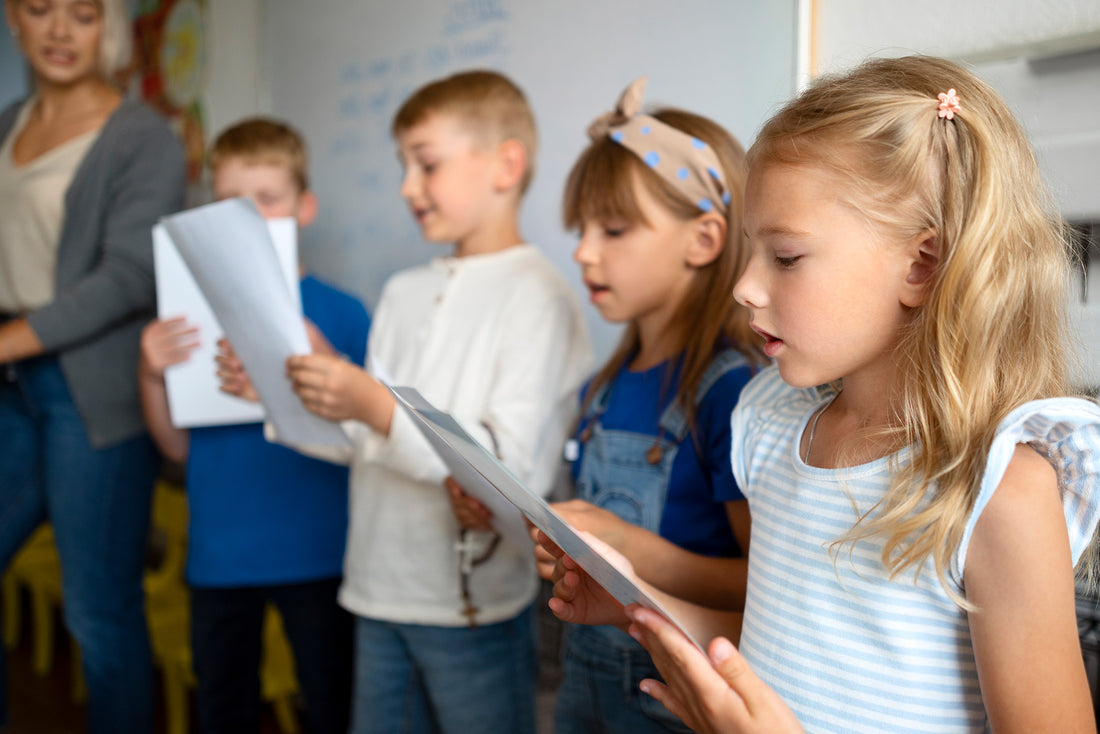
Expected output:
(266, 523)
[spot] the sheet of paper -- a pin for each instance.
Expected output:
(193, 395)
(481, 473)
(507, 519)
(227, 249)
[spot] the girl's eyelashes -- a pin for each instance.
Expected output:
(614, 229)
(787, 262)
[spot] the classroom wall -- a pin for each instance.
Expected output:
(339, 69)
(235, 84)
(1043, 56)
(13, 74)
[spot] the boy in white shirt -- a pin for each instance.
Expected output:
(492, 333)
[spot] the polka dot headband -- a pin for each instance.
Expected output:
(686, 162)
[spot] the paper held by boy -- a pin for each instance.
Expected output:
(240, 278)
(485, 478)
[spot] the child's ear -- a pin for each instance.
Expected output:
(307, 208)
(511, 164)
(924, 257)
(708, 237)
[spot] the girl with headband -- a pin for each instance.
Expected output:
(917, 521)
(657, 201)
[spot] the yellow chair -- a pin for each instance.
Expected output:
(38, 554)
(278, 683)
(278, 680)
(37, 568)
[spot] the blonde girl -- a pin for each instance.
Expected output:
(917, 522)
(656, 199)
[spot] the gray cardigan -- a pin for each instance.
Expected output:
(131, 176)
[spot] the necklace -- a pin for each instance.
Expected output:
(813, 426)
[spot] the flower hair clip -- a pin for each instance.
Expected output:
(949, 104)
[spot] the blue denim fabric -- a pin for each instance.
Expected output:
(414, 679)
(226, 642)
(602, 666)
(599, 690)
(98, 503)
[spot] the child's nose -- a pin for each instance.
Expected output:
(584, 252)
(408, 184)
(747, 290)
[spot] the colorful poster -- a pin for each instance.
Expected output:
(170, 68)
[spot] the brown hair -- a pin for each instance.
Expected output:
(489, 104)
(993, 332)
(263, 140)
(601, 186)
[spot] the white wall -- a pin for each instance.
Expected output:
(1043, 56)
(845, 31)
(235, 84)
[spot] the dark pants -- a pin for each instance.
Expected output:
(226, 641)
(98, 503)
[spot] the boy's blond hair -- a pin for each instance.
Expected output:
(489, 104)
(263, 140)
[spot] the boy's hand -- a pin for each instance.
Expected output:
(234, 378)
(317, 341)
(471, 514)
(328, 386)
(712, 696)
(577, 598)
(165, 342)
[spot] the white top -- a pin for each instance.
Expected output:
(32, 211)
(499, 341)
(848, 649)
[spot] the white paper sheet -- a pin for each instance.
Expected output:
(194, 397)
(481, 474)
(227, 249)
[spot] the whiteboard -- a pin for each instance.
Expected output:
(339, 69)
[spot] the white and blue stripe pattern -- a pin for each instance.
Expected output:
(848, 649)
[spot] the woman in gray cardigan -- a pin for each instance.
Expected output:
(84, 175)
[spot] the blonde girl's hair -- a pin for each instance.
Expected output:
(601, 187)
(993, 332)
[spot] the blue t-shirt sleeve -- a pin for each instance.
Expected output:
(340, 316)
(714, 422)
(356, 328)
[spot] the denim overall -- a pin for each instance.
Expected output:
(627, 473)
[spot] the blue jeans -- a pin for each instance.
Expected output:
(98, 503)
(413, 679)
(226, 632)
(599, 691)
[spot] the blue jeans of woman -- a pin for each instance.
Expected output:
(97, 501)
(419, 679)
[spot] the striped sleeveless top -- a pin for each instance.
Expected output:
(848, 649)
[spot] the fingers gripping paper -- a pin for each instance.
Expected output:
(486, 478)
(194, 395)
(228, 250)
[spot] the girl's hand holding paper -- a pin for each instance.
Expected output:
(718, 695)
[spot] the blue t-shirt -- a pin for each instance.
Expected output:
(263, 514)
(702, 480)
